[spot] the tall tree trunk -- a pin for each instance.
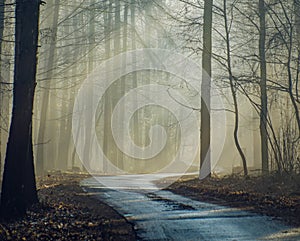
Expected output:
(1, 31)
(290, 80)
(233, 91)
(123, 81)
(107, 137)
(295, 98)
(90, 62)
(263, 88)
(297, 24)
(18, 187)
(75, 57)
(40, 162)
(146, 113)
(64, 123)
(117, 91)
(1, 77)
(136, 130)
(205, 155)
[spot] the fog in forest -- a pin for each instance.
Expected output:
(122, 80)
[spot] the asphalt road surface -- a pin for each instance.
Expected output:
(162, 215)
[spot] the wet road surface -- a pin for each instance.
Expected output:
(162, 215)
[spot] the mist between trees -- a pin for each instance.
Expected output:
(255, 62)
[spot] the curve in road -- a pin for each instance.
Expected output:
(163, 215)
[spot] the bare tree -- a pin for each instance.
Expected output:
(233, 89)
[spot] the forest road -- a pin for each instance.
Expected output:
(161, 215)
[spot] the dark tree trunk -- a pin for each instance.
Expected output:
(297, 25)
(205, 168)
(295, 98)
(1, 77)
(18, 187)
(1, 28)
(263, 88)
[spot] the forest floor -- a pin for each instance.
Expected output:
(66, 212)
(278, 197)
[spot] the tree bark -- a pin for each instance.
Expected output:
(18, 187)
(1, 29)
(205, 166)
(297, 24)
(1, 77)
(263, 88)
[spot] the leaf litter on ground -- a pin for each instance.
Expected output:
(272, 195)
(66, 212)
